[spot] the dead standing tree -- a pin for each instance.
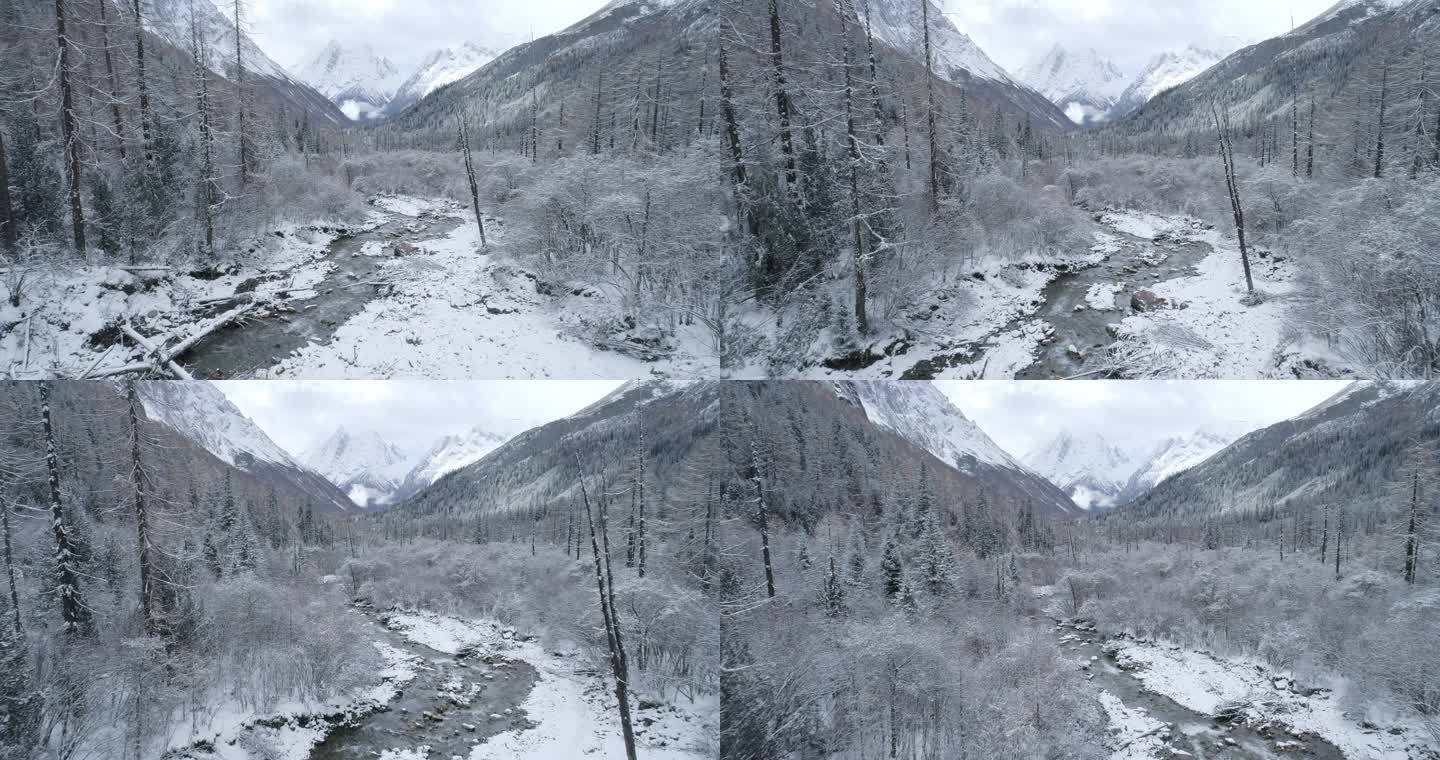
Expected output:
(605, 586)
(1232, 187)
(470, 176)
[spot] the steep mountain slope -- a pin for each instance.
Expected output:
(1175, 456)
(437, 70)
(1165, 71)
(200, 412)
(623, 40)
(541, 468)
(368, 468)
(355, 78)
(448, 455)
(1338, 59)
(1088, 467)
(169, 21)
(1344, 451)
(922, 419)
(1083, 84)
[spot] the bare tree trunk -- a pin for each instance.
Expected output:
(240, 98)
(142, 525)
(934, 136)
(874, 81)
(595, 128)
(1227, 158)
(10, 565)
(115, 114)
(210, 191)
(640, 498)
(862, 319)
(762, 520)
(73, 612)
(534, 126)
(1380, 121)
(9, 235)
(1310, 144)
(605, 588)
(655, 105)
(470, 176)
(782, 96)
(732, 125)
(1295, 131)
(146, 143)
(70, 129)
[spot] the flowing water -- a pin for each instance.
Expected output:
(242, 349)
(453, 703)
(1081, 337)
(1202, 736)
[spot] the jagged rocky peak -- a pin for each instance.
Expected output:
(1084, 84)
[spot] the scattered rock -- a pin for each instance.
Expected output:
(1144, 300)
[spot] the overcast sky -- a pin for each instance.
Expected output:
(405, 31)
(1129, 32)
(1022, 416)
(299, 415)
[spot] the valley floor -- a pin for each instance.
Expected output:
(407, 294)
(465, 688)
(1154, 296)
(1166, 701)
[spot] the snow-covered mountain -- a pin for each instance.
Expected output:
(368, 468)
(169, 20)
(354, 77)
(1088, 467)
(922, 415)
(1165, 71)
(439, 69)
(1345, 451)
(1084, 84)
(201, 413)
(450, 454)
(1177, 455)
(957, 58)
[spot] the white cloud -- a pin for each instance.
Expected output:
(1021, 416)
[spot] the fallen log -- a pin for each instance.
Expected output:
(153, 350)
(169, 356)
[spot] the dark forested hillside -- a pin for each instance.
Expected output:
(536, 476)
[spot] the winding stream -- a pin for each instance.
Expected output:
(1139, 263)
(453, 703)
(239, 350)
(1202, 736)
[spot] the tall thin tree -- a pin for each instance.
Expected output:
(69, 127)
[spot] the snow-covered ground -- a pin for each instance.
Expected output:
(1206, 683)
(233, 732)
(572, 707)
(1137, 736)
(1208, 327)
(978, 328)
(67, 306)
(457, 312)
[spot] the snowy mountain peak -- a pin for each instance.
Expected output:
(1165, 71)
(450, 454)
(900, 25)
(440, 68)
(201, 413)
(1089, 467)
(365, 465)
(1084, 84)
(355, 77)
